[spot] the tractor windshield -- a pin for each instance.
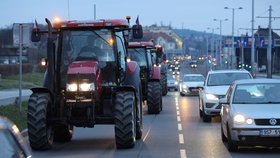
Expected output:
(138, 55)
(84, 45)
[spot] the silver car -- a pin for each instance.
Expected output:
(250, 113)
(191, 84)
(172, 83)
(12, 143)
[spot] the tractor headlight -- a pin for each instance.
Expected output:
(84, 87)
(87, 87)
(72, 87)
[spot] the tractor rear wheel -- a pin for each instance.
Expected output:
(40, 132)
(139, 123)
(164, 85)
(63, 133)
(154, 98)
(125, 120)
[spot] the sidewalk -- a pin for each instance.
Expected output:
(8, 96)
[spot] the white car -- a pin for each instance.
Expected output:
(191, 84)
(215, 87)
(172, 83)
(250, 113)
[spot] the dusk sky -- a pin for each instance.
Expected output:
(189, 14)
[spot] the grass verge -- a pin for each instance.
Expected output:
(12, 113)
(29, 80)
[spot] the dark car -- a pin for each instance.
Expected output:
(12, 144)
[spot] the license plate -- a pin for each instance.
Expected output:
(270, 132)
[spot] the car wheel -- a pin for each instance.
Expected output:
(205, 117)
(182, 94)
(231, 145)
(224, 138)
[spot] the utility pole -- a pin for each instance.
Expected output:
(269, 54)
(269, 58)
(253, 43)
(94, 12)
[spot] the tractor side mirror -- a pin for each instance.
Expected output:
(137, 31)
(35, 35)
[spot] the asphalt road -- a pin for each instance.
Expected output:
(177, 132)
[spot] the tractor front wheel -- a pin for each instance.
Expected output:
(40, 132)
(125, 120)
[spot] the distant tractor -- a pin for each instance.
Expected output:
(150, 74)
(87, 82)
(161, 62)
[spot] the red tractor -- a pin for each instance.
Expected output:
(160, 58)
(150, 74)
(87, 82)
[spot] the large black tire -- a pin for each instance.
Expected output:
(125, 120)
(139, 124)
(63, 133)
(39, 131)
(164, 85)
(154, 98)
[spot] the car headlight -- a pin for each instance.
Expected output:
(211, 97)
(73, 87)
(239, 119)
(176, 82)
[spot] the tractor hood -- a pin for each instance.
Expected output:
(83, 67)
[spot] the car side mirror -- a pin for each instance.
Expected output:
(223, 101)
(137, 31)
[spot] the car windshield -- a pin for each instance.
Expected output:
(138, 55)
(193, 79)
(220, 79)
(257, 93)
(170, 78)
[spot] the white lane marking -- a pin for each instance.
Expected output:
(178, 113)
(177, 107)
(181, 139)
(179, 127)
(178, 118)
(183, 153)
(146, 135)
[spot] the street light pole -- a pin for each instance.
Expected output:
(253, 44)
(221, 38)
(232, 46)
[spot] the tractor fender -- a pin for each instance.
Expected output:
(132, 78)
(156, 73)
(131, 67)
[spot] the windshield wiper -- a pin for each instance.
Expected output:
(101, 38)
